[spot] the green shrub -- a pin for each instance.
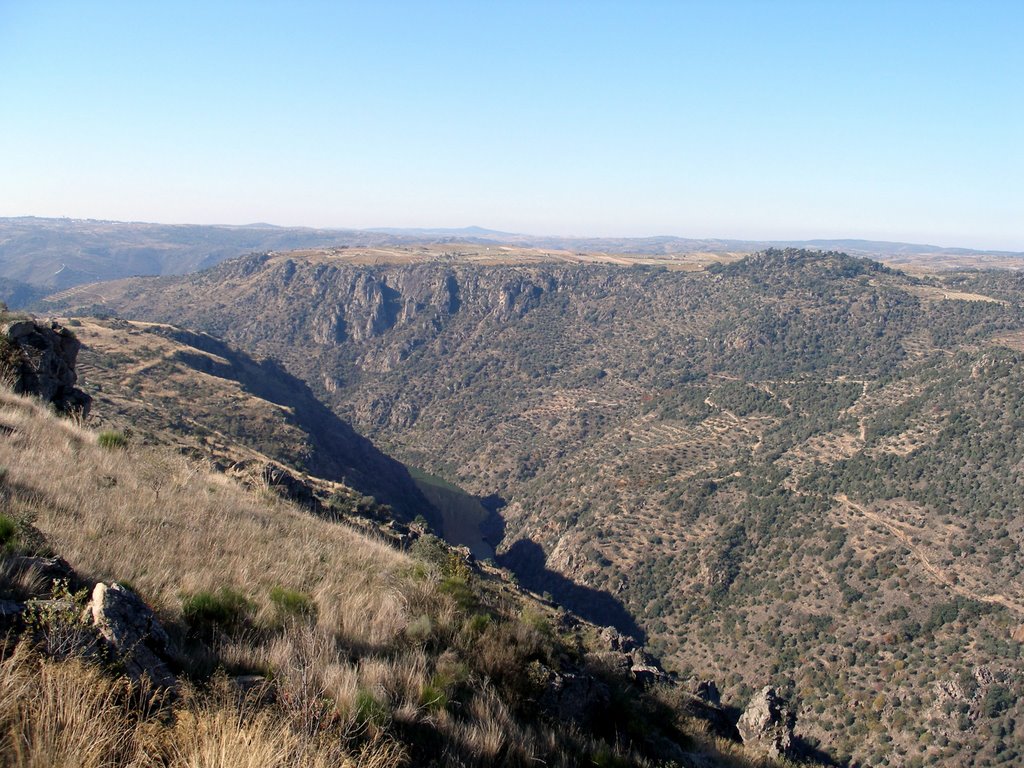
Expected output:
(291, 603)
(476, 624)
(370, 710)
(112, 440)
(433, 695)
(8, 531)
(538, 622)
(430, 549)
(226, 610)
(997, 700)
(420, 629)
(460, 591)
(59, 624)
(348, 502)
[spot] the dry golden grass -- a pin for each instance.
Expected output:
(60, 714)
(170, 528)
(357, 684)
(55, 714)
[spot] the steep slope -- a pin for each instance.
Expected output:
(197, 393)
(294, 641)
(800, 466)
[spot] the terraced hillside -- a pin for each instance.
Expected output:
(798, 466)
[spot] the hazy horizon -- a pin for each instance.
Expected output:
(741, 120)
(491, 230)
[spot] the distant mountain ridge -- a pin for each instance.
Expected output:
(889, 250)
(60, 253)
(41, 255)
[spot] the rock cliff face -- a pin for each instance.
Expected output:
(766, 725)
(40, 358)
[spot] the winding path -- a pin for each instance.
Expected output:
(933, 570)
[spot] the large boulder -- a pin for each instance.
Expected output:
(133, 633)
(766, 725)
(41, 357)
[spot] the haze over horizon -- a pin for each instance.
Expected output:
(477, 231)
(740, 120)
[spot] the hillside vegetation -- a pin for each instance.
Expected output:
(799, 467)
(296, 641)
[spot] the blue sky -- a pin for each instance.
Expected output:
(886, 120)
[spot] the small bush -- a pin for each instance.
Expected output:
(371, 711)
(292, 604)
(430, 549)
(460, 591)
(226, 610)
(538, 622)
(8, 532)
(449, 680)
(476, 624)
(433, 696)
(505, 653)
(112, 440)
(997, 700)
(60, 624)
(420, 629)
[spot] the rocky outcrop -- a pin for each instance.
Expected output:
(766, 725)
(284, 483)
(621, 656)
(114, 623)
(41, 358)
(574, 695)
(613, 640)
(707, 690)
(133, 633)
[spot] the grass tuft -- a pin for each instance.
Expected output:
(226, 610)
(112, 440)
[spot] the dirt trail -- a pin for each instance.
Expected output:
(933, 570)
(711, 404)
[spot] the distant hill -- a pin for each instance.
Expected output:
(55, 254)
(892, 252)
(449, 232)
(60, 253)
